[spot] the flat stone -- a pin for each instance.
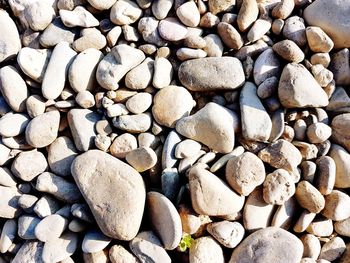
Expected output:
(50, 227)
(10, 41)
(13, 124)
(256, 122)
(227, 233)
(57, 70)
(43, 129)
(213, 125)
(206, 249)
(118, 254)
(298, 88)
(334, 22)
(82, 125)
(342, 162)
(340, 127)
(118, 217)
(211, 196)
(94, 241)
(78, 17)
(13, 88)
(209, 74)
(148, 248)
(171, 104)
(31, 252)
(274, 244)
(165, 219)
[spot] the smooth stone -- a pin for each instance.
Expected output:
(27, 202)
(212, 125)
(59, 187)
(50, 227)
(163, 73)
(13, 124)
(101, 4)
(118, 254)
(206, 249)
(245, 172)
(284, 214)
(298, 88)
(333, 249)
(170, 181)
(10, 41)
(342, 227)
(165, 219)
(227, 233)
(148, 27)
(94, 241)
(170, 104)
(148, 248)
(82, 125)
(294, 30)
(33, 62)
(342, 162)
(60, 155)
(35, 105)
(337, 206)
(28, 165)
(137, 123)
(43, 129)
(334, 22)
(125, 12)
(100, 256)
(266, 66)
(57, 32)
(260, 27)
(256, 122)
(116, 64)
(326, 174)
(289, 51)
(8, 234)
(9, 207)
(79, 17)
(6, 177)
(172, 29)
(214, 46)
(90, 38)
(188, 162)
(189, 53)
(13, 88)
(218, 6)
(230, 36)
(210, 74)
(187, 148)
(142, 159)
(46, 206)
(318, 40)
(82, 71)
(140, 76)
(139, 103)
(274, 244)
(26, 226)
(304, 220)
(278, 125)
(211, 196)
(248, 13)
(30, 252)
(321, 227)
(340, 66)
(257, 213)
(309, 197)
(118, 217)
(161, 8)
(168, 154)
(225, 158)
(122, 145)
(60, 248)
(340, 127)
(189, 14)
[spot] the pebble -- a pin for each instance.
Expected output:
(13, 88)
(321, 227)
(101, 4)
(194, 41)
(283, 9)
(321, 58)
(188, 14)
(294, 30)
(118, 217)
(257, 213)
(50, 227)
(147, 247)
(210, 74)
(163, 73)
(189, 53)
(266, 66)
(89, 38)
(340, 67)
(333, 249)
(289, 51)
(342, 227)
(292, 84)
(122, 145)
(278, 187)
(60, 248)
(113, 67)
(59, 187)
(141, 76)
(78, 17)
(57, 69)
(245, 172)
(172, 29)
(161, 8)
(256, 122)
(274, 243)
(230, 36)
(137, 123)
(336, 17)
(85, 99)
(309, 197)
(168, 154)
(118, 254)
(318, 40)
(304, 221)
(247, 15)
(26, 226)
(206, 249)
(214, 46)
(10, 41)
(82, 125)
(30, 251)
(125, 12)
(81, 74)
(260, 27)
(326, 174)
(141, 159)
(165, 219)
(318, 132)
(43, 129)
(188, 162)
(46, 206)
(115, 110)
(284, 214)
(8, 235)
(218, 6)
(227, 233)
(170, 104)
(337, 206)
(312, 246)
(13, 124)
(94, 241)
(6, 177)
(204, 186)
(139, 103)
(9, 195)
(35, 105)
(340, 125)
(214, 127)
(225, 158)
(148, 28)
(187, 148)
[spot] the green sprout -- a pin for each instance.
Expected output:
(185, 242)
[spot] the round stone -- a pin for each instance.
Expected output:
(171, 29)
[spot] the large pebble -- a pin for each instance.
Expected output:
(227, 233)
(274, 245)
(140, 76)
(9, 207)
(10, 41)
(139, 103)
(230, 36)
(116, 199)
(289, 51)
(211, 196)
(163, 73)
(137, 123)
(189, 14)
(213, 126)
(209, 74)
(165, 219)
(342, 162)
(13, 88)
(171, 104)
(57, 70)
(160, 8)
(13, 124)
(43, 129)
(172, 29)
(206, 250)
(292, 90)
(318, 40)
(247, 14)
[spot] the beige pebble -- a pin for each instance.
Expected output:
(333, 249)
(318, 132)
(318, 40)
(123, 144)
(288, 50)
(326, 174)
(230, 36)
(321, 227)
(309, 197)
(247, 14)
(283, 9)
(337, 206)
(312, 246)
(304, 221)
(142, 158)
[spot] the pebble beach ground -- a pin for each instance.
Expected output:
(157, 131)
